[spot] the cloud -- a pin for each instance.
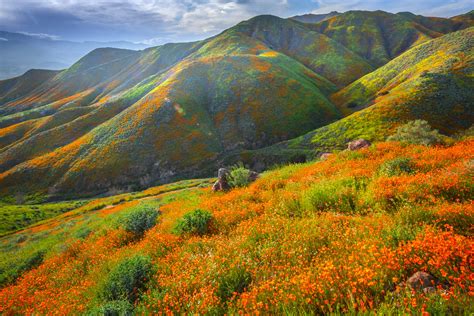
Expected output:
(41, 35)
(158, 21)
(3, 39)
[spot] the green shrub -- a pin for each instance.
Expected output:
(417, 132)
(339, 196)
(197, 222)
(236, 281)
(113, 308)
(396, 167)
(127, 279)
(140, 220)
(239, 176)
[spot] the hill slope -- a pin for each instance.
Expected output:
(380, 36)
(432, 81)
(282, 245)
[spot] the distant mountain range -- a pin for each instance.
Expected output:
(20, 52)
(267, 90)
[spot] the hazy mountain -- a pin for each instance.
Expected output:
(20, 52)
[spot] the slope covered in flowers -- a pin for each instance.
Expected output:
(326, 236)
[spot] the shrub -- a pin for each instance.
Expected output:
(140, 220)
(197, 222)
(396, 167)
(127, 279)
(239, 176)
(417, 132)
(236, 281)
(113, 308)
(339, 196)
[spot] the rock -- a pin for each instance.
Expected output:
(221, 183)
(325, 156)
(421, 280)
(253, 176)
(429, 290)
(358, 144)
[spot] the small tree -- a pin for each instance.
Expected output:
(417, 132)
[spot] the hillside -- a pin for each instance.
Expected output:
(432, 81)
(355, 222)
(380, 36)
(124, 119)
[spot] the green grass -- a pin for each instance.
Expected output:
(16, 217)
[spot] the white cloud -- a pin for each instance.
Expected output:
(42, 35)
(3, 39)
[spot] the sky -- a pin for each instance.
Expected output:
(155, 22)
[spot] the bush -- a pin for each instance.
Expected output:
(236, 281)
(127, 279)
(113, 308)
(140, 220)
(396, 167)
(239, 176)
(197, 222)
(417, 132)
(338, 196)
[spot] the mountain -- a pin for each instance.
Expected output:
(432, 81)
(380, 36)
(314, 18)
(20, 52)
(125, 119)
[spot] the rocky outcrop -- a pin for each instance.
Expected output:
(221, 183)
(358, 144)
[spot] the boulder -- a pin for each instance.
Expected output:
(358, 144)
(253, 176)
(325, 156)
(221, 184)
(422, 281)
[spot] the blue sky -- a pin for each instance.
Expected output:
(160, 21)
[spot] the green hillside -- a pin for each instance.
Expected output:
(432, 81)
(380, 36)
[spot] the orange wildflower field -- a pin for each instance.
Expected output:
(342, 235)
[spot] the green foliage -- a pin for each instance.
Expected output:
(337, 196)
(15, 217)
(239, 176)
(113, 308)
(140, 220)
(126, 280)
(396, 167)
(9, 273)
(236, 281)
(197, 222)
(417, 132)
